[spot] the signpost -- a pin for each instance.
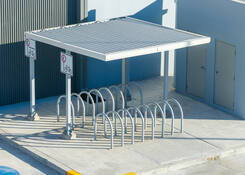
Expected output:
(30, 52)
(30, 48)
(66, 67)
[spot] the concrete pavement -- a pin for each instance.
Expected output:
(233, 165)
(209, 134)
(24, 164)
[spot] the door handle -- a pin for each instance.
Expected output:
(216, 72)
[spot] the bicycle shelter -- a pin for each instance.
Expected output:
(119, 38)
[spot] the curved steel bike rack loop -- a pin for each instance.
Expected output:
(92, 101)
(114, 89)
(148, 109)
(73, 116)
(127, 114)
(107, 103)
(109, 93)
(137, 111)
(97, 93)
(58, 106)
(78, 108)
(157, 106)
(118, 91)
(133, 84)
(72, 111)
(106, 119)
(116, 115)
(127, 88)
(172, 113)
(181, 113)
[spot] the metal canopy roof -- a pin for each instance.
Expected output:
(117, 38)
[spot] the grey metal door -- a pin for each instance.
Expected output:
(225, 74)
(196, 71)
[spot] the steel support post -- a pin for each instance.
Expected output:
(166, 62)
(68, 104)
(125, 78)
(68, 134)
(32, 114)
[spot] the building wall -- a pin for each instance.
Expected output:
(169, 20)
(221, 20)
(105, 73)
(16, 17)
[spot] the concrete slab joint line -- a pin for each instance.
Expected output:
(72, 172)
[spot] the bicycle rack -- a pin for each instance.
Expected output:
(136, 112)
(118, 92)
(101, 93)
(89, 97)
(181, 112)
(116, 97)
(116, 115)
(109, 93)
(132, 123)
(78, 108)
(106, 108)
(72, 110)
(126, 89)
(105, 116)
(97, 93)
(158, 107)
(133, 84)
(165, 103)
(147, 110)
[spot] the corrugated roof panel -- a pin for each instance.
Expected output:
(118, 38)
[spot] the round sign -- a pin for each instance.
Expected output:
(27, 42)
(63, 58)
